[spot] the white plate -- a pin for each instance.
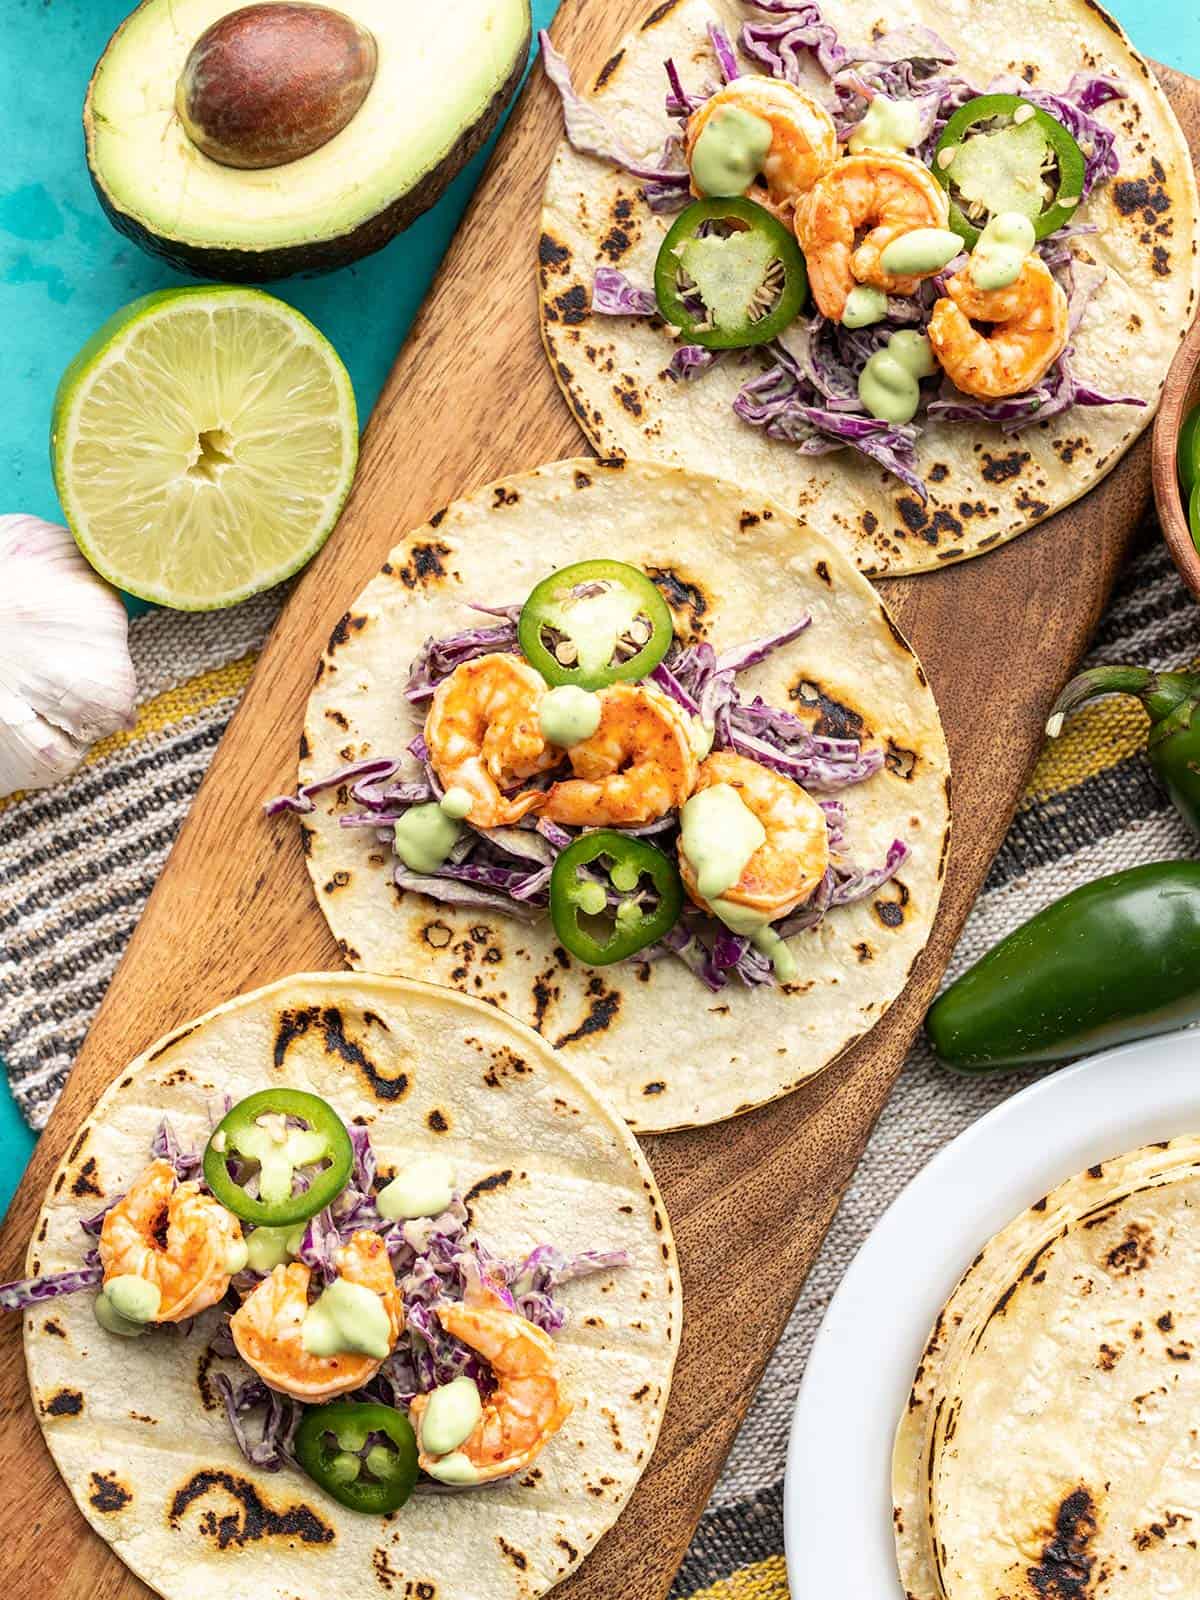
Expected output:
(837, 1494)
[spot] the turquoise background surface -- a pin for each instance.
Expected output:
(63, 270)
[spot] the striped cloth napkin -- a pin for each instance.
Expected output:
(78, 862)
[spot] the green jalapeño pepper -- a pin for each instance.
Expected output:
(596, 623)
(269, 1136)
(992, 157)
(1188, 454)
(1118, 959)
(364, 1455)
(634, 924)
(1172, 700)
(729, 274)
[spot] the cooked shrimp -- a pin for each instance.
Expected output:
(638, 765)
(888, 195)
(804, 141)
(1028, 332)
(484, 736)
(267, 1326)
(173, 1236)
(790, 863)
(527, 1406)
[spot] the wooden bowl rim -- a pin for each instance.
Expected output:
(1182, 383)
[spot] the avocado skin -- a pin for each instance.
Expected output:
(313, 256)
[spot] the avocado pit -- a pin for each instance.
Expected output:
(272, 82)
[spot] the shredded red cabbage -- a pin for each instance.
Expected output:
(613, 295)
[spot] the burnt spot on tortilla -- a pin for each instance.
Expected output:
(682, 595)
(1068, 449)
(553, 255)
(437, 1121)
(657, 1087)
(939, 472)
(494, 1180)
(1000, 469)
(659, 12)
(1108, 1357)
(1165, 1323)
(582, 481)
(63, 1403)
(254, 1522)
(437, 935)
(602, 1008)
(629, 395)
(749, 519)
(1143, 1538)
(834, 720)
(341, 632)
(438, 517)
(339, 720)
(502, 495)
(108, 1492)
(385, 1574)
(822, 571)
(571, 305)
(1031, 505)
(895, 633)
(567, 1548)
(339, 881)
(505, 1063)
(870, 522)
(616, 242)
(864, 952)
(912, 513)
(424, 565)
(1180, 1352)
(77, 1147)
(53, 1329)
(153, 1056)
(1134, 1253)
(1144, 195)
(900, 761)
(1097, 1171)
(518, 1558)
(293, 1025)
(1064, 1569)
(891, 912)
(1160, 261)
(607, 70)
(84, 1183)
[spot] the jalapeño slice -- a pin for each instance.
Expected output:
(579, 620)
(729, 274)
(634, 926)
(364, 1455)
(269, 1136)
(1000, 167)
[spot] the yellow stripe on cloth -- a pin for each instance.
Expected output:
(765, 1580)
(168, 709)
(1094, 739)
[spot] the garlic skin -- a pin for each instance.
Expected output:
(66, 678)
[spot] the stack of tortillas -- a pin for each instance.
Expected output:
(1051, 1443)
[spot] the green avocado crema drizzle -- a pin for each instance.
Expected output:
(892, 125)
(346, 1317)
(719, 835)
(268, 1248)
(568, 714)
(729, 154)
(920, 251)
(126, 1304)
(1000, 252)
(451, 1416)
(424, 1189)
(425, 835)
(888, 385)
(864, 305)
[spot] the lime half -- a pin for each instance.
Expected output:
(203, 442)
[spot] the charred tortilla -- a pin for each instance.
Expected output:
(984, 486)
(731, 565)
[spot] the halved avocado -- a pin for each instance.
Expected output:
(442, 76)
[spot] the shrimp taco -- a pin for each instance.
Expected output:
(923, 287)
(351, 1286)
(639, 758)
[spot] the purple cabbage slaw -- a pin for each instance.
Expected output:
(791, 398)
(507, 870)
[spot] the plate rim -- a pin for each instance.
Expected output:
(1116, 1100)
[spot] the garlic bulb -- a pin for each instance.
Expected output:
(66, 678)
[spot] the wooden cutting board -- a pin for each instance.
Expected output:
(472, 398)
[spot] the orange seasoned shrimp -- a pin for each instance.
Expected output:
(267, 1326)
(1027, 335)
(790, 863)
(484, 736)
(176, 1238)
(804, 141)
(527, 1406)
(888, 195)
(638, 765)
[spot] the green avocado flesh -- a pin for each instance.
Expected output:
(444, 74)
